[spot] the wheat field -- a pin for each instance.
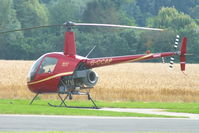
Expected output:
(124, 82)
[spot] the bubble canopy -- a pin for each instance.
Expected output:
(44, 64)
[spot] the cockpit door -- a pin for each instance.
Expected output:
(43, 75)
(47, 67)
(42, 68)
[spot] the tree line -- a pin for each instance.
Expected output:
(175, 17)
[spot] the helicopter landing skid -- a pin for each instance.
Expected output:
(69, 95)
(34, 98)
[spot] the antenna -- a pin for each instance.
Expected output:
(90, 51)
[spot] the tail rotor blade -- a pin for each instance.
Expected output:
(176, 42)
(175, 49)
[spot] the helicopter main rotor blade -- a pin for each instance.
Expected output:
(70, 24)
(36, 27)
(118, 26)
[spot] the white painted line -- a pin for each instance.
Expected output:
(153, 111)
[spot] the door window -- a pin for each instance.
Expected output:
(48, 65)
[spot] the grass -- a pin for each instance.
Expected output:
(124, 82)
(58, 132)
(83, 132)
(41, 107)
(66, 132)
(171, 107)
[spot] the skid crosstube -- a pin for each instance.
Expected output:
(69, 96)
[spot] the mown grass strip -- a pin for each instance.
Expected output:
(83, 132)
(57, 132)
(41, 107)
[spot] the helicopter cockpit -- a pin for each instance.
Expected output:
(44, 64)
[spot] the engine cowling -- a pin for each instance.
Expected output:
(91, 78)
(87, 77)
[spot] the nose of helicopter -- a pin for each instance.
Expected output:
(33, 69)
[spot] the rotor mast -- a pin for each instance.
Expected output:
(69, 40)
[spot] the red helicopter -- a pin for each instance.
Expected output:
(68, 73)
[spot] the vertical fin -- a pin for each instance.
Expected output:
(183, 52)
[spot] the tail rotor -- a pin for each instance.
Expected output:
(175, 49)
(181, 53)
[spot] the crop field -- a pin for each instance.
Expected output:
(124, 82)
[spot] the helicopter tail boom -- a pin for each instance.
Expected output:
(98, 62)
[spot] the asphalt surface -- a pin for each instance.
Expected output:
(96, 124)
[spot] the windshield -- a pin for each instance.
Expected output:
(33, 69)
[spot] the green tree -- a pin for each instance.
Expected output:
(103, 11)
(107, 43)
(184, 5)
(11, 47)
(194, 13)
(171, 18)
(133, 11)
(177, 23)
(62, 11)
(32, 13)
